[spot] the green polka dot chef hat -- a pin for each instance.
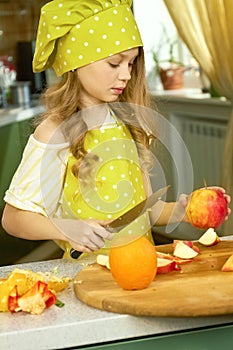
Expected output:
(72, 34)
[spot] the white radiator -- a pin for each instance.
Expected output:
(205, 142)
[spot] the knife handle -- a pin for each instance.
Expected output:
(75, 254)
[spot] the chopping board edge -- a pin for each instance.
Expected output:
(112, 298)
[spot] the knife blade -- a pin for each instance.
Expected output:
(125, 219)
(139, 209)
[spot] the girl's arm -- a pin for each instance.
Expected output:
(164, 213)
(82, 236)
(29, 225)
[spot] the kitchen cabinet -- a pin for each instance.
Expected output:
(14, 132)
(13, 138)
(207, 339)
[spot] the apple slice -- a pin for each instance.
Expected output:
(188, 243)
(164, 256)
(209, 238)
(165, 265)
(177, 260)
(103, 260)
(228, 266)
(181, 261)
(176, 241)
(183, 251)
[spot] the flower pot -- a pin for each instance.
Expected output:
(172, 78)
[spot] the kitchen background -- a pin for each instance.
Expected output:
(200, 119)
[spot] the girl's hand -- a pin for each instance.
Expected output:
(182, 204)
(86, 236)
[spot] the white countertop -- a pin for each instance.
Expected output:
(77, 324)
(17, 114)
(190, 96)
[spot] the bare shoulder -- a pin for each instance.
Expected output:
(49, 131)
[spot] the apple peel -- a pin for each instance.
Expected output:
(166, 265)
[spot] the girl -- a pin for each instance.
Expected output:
(88, 160)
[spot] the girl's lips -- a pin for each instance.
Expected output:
(117, 91)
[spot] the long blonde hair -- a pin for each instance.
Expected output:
(62, 100)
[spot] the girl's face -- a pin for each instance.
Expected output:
(104, 81)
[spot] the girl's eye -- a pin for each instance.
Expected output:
(114, 65)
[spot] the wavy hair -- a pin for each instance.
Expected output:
(62, 100)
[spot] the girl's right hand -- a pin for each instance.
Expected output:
(86, 236)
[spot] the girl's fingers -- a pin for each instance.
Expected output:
(183, 199)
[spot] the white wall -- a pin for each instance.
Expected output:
(150, 14)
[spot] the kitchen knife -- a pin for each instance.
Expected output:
(132, 214)
(125, 219)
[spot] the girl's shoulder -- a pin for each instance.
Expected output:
(49, 131)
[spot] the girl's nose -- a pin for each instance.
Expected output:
(125, 73)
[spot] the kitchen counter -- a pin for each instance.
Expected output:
(189, 102)
(79, 326)
(18, 114)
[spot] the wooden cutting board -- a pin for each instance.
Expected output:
(200, 288)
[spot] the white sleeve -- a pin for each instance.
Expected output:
(37, 183)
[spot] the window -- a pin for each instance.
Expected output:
(151, 16)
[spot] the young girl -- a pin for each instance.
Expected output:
(88, 160)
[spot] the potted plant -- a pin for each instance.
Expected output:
(169, 69)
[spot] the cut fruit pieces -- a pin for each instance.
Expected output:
(183, 251)
(166, 265)
(177, 260)
(209, 238)
(103, 260)
(228, 266)
(188, 243)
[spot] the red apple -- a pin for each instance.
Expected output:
(165, 265)
(228, 266)
(209, 238)
(207, 208)
(183, 251)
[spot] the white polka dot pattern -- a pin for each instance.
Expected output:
(72, 34)
(117, 187)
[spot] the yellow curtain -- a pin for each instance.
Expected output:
(206, 27)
